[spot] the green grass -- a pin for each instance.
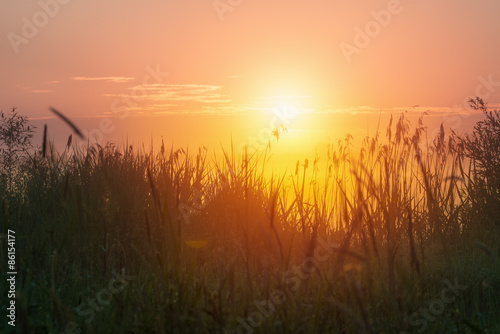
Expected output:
(400, 217)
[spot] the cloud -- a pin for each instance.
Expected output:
(290, 97)
(181, 93)
(41, 91)
(184, 92)
(107, 79)
(162, 98)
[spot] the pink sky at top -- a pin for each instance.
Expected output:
(231, 63)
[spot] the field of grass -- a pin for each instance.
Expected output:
(399, 237)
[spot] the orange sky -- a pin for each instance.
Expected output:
(231, 64)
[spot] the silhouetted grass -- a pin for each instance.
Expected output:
(209, 239)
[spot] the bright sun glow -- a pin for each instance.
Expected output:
(285, 114)
(286, 109)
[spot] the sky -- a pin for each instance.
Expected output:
(198, 72)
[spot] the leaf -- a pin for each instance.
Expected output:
(67, 121)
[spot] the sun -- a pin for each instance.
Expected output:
(286, 108)
(290, 121)
(284, 114)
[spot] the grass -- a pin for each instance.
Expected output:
(354, 242)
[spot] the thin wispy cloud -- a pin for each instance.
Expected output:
(184, 92)
(154, 108)
(106, 79)
(284, 97)
(162, 98)
(428, 111)
(41, 91)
